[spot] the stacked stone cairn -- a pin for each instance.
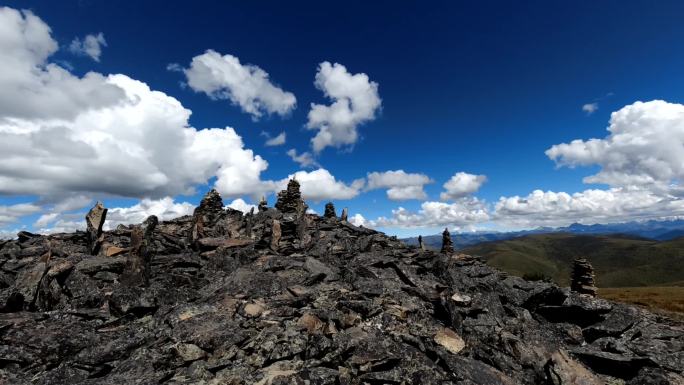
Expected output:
(329, 210)
(447, 244)
(583, 277)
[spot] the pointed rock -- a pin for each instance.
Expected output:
(95, 219)
(447, 244)
(421, 245)
(345, 214)
(329, 210)
(137, 270)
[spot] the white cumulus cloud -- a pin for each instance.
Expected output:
(278, 140)
(462, 184)
(644, 147)
(320, 184)
(358, 220)
(32, 88)
(400, 185)
(305, 159)
(460, 214)
(590, 108)
(90, 45)
(245, 85)
(240, 205)
(101, 135)
(355, 100)
(165, 208)
(548, 208)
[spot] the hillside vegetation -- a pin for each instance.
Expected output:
(619, 261)
(668, 300)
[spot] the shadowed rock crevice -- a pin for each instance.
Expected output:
(279, 296)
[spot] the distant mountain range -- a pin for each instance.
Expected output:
(655, 230)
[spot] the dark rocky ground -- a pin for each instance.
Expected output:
(284, 297)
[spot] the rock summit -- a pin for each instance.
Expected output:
(281, 296)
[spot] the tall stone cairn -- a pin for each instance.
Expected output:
(421, 245)
(583, 277)
(292, 206)
(330, 210)
(95, 219)
(290, 200)
(447, 244)
(263, 204)
(206, 215)
(345, 214)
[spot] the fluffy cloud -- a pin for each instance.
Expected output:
(304, 159)
(164, 209)
(55, 211)
(457, 215)
(400, 185)
(241, 205)
(276, 140)
(590, 108)
(140, 147)
(321, 185)
(62, 226)
(101, 135)
(11, 213)
(462, 184)
(90, 46)
(245, 85)
(31, 88)
(644, 147)
(358, 220)
(550, 208)
(355, 100)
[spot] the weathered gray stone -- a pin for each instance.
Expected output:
(276, 234)
(137, 271)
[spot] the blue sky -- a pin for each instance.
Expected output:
(483, 88)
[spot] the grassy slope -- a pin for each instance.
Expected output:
(666, 299)
(619, 261)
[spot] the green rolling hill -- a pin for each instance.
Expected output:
(618, 260)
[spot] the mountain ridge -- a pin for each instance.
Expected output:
(652, 229)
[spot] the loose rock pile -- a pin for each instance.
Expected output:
(582, 279)
(284, 297)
